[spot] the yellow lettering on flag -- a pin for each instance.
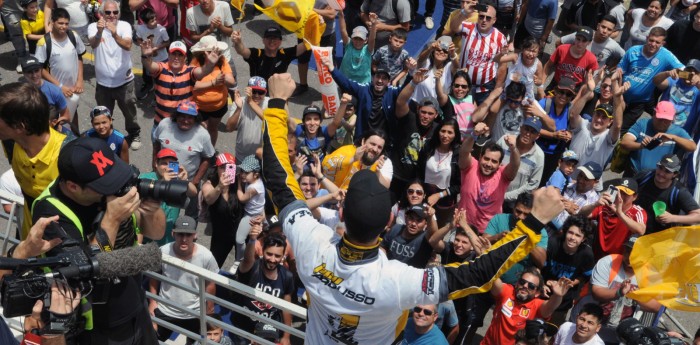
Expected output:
(667, 267)
(298, 17)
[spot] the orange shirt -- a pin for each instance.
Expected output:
(214, 97)
(509, 316)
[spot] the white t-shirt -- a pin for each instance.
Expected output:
(112, 63)
(256, 204)
(427, 87)
(197, 22)
(639, 31)
(589, 147)
(63, 62)
(76, 10)
(9, 184)
(438, 169)
(517, 71)
(565, 336)
(159, 34)
(387, 169)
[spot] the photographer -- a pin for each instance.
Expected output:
(95, 204)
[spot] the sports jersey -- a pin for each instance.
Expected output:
(566, 65)
(478, 51)
(340, 166)
(639, 70)
(255, 278)
(509, 316)
(612, 231)
(115, 140)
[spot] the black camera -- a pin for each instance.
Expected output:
(632, 332)
(173, 193)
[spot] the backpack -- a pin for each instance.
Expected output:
(47, 40)
(675, 191)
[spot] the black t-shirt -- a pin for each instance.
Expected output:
(448, 256)
(586, 14)
(411, 138)
(125, 299)
(377, 119)
(225, 215)
(560, 264)
(415, 252)
(255, 278)
(683, 41)
(676, 197)
(264, 66)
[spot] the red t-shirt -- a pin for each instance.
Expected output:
(482, 196)
(612, 231)
(565, 65)
(509, 316)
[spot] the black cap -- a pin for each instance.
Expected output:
(585, 32)
(312, 109)
(267, 332)
(367, 207)
(25, 3)
(418, 210)
(592, 170)
(606, 109)
(670, 162)
(30, 63)
(567, 84)
(626, 185)
(380, 70)
(90, 162)
(185, 225)
(273, 32)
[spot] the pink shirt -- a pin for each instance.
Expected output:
(482, 196)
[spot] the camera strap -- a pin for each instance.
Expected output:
(55, 323)
(100, 234)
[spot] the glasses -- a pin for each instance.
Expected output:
(564, 93)
(514, 101)
(605, 86)
(259, 92)
(427, 312)
(460, 86)
(485, 17)
(111, 12)
(527, 284)
(416, 191)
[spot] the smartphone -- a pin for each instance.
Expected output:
(481, 8)
(230, 172)
(174, 166)
(654, 143)
(684, 75)
(612, 190)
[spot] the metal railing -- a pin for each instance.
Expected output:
(203, 276)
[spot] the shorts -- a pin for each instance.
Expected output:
(217, 114)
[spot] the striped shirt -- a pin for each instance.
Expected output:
(171, 89)
(478, 51)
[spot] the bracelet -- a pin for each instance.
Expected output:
(441, 195)
(619, 292)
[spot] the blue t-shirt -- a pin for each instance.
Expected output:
(559, 180)
(504, 222)
(542, 9)
(640, 71)
(357, 64)
(317, 144)
(561, 122)
(114, 140)
(433, 337)
(55, 96)
(646, 159)
(682, 95)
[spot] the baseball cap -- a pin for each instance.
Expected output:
(631, 241)
(418, 210)
(30, 63)
(266, 331)
(100, 110)
(187, 107)
(257, 83)
(367, 206)
(224, 158)
(312, 109)
(185, 225)
(431, 102)
(178, 46)
(380, 70)
(567, 84)
(25, 3)
(605, 108)
(90, 162)
(626, 185)
(665, 111)
(272, 32)
(359, 32)
(585, 32)
(533, 122)
(164, 153)
(569, 155)
(694, 64)
(250, 163)
(592, 170)
(670, 162)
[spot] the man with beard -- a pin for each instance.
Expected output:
(585, 330)
(580, 193)
(343, 163)
(184, 248)
(484, 182)
(531, 160)
(375, 101)
(414, 129)
(517, 303)
(410, 243)
(266, 274)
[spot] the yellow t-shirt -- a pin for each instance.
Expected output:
(35, 27)
(457, 38)
(339, 166)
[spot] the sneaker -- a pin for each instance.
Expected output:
(429, 24)
(301, 88)
(136, 143)
(234, 268)
(19, 69)
(144, 91)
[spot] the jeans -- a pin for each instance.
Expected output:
(126, 100)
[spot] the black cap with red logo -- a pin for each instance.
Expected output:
(91, 163)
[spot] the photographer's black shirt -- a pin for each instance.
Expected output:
(126, 298)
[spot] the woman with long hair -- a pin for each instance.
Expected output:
(415, 195)
(441, 62)
(438, 167)
(640, 21)
(458, 104)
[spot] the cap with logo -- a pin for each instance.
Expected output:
(257, 83)
(592, 170)
(178, 46)
(694, 64)
(224, 158)
(431, 102)
(569, 155)
(250, 164)
(359, 32)
(100, 110)
(585, 32)
(567, 84)
(606, 109)
(30, 64)
(312, 109)
(533, 122)
(418, 210)
(272, 32)
(266, 331)
(670, 162)
(185, 225)
(90, 162)
(187, 107)
(166, 153)
(626, 185)
(665, 111)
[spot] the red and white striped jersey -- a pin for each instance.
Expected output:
(478, 51)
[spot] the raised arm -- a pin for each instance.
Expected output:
(465, 152)
(482, 111)
(338, 117)
(466, 12)
(405, 95)
(584, 95)
(511, 170)
(241, 49)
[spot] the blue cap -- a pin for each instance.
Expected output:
(533, 122)
(569, 155)
(592, 170)
(187, 107)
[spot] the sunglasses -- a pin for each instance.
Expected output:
(485, 17)
(514, 101)
(460, 86)
(415, 191)
(259, 92)
(605, 86)
(527, 284)
(111, 12)
(427, 312)
(564, 93)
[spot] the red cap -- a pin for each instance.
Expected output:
(166, 153)
(224, 158)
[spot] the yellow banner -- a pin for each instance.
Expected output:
(667, 267)
(298, 17)
(238, 4)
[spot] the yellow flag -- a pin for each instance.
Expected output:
(238, 4)
(667, 267)
(298, 17)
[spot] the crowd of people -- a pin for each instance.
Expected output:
(479, 174)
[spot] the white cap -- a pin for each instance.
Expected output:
(360, 32)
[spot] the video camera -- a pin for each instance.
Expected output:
(632, 332)
(173, 192)
(83, 269)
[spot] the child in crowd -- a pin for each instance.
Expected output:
(102, 127)
(32, 23)
(251, 192)
(158, 35)
(562, 176)
(392, 57)
(345, 134)
(525, 68)
(216, 333)
(311, 136)
(357, 60)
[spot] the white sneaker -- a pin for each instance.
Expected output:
(429, 24)
(136, 143)
(19, 69)
(234, 268)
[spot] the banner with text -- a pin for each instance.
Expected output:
(329, 90)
